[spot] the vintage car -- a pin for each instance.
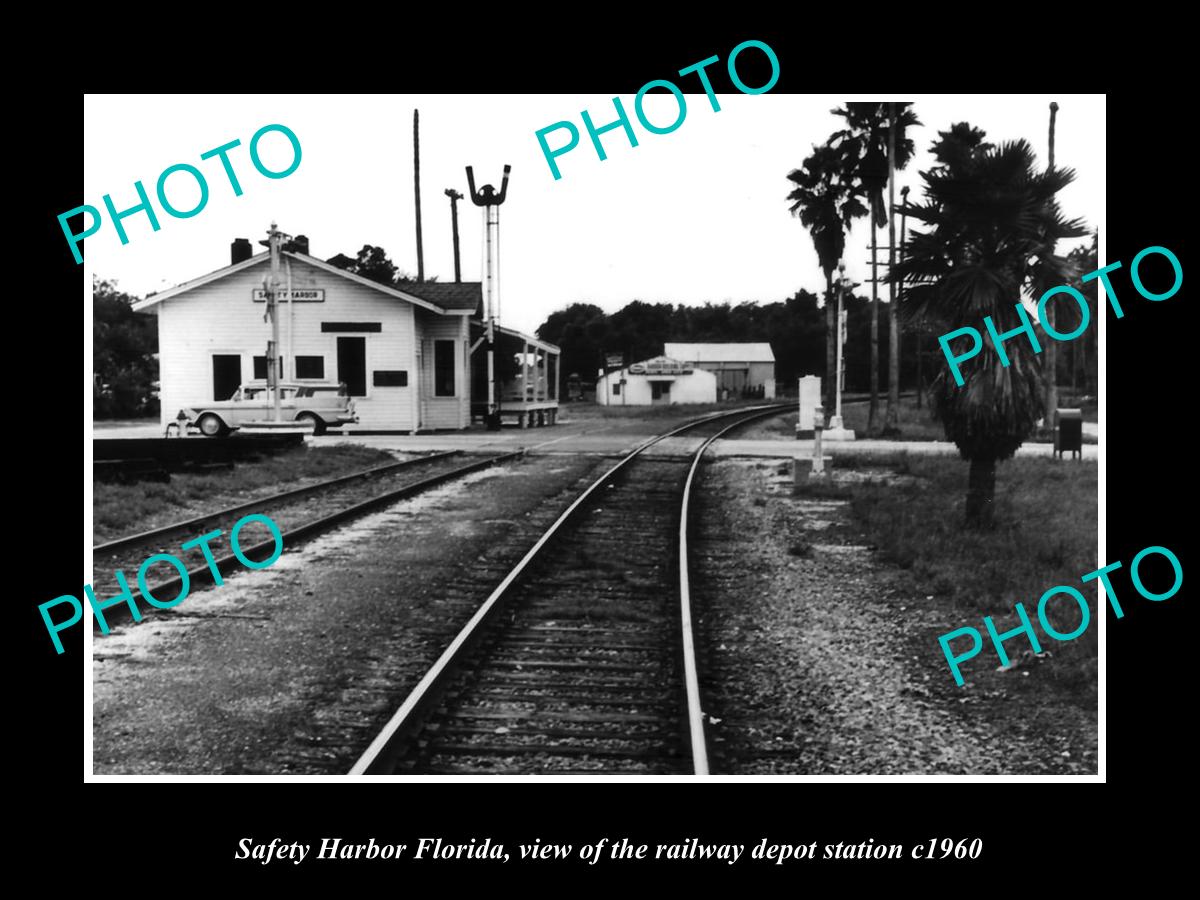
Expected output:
(323, 405)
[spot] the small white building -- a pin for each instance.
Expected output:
(403, 353)
(741, 369)
(654, 382)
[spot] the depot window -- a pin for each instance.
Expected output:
(443, 368)
(310, 367)
(260, 367)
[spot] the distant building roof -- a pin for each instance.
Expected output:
(446, 294)
(701, 353)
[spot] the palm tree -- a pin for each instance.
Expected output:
(992, 221)
(865, 146)
(826, 202)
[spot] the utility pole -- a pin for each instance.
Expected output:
(873, 409)
(917, 332)
(455, 196)
(490, 201)
(892, 418)
(417, 191)
(1051, 358)
(274, 238)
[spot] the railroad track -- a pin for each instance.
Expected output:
(155, 537)
(582, 659)
(302, 513)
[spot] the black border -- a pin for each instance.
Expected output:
(193, 831)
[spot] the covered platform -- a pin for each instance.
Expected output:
(527, 375)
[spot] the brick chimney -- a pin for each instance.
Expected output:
(240, 250)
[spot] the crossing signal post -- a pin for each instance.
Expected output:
(490, 201)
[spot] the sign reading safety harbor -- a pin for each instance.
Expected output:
(310, 295)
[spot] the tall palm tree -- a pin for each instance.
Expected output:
(864, 143)
(827, 202)
(992, 221)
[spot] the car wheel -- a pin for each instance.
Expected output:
(318, 426)
(211, 425)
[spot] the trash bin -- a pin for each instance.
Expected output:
(1068, 432)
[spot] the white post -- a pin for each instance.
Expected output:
(836, 423)
(818, 463)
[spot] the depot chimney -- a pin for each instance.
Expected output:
(240, 251)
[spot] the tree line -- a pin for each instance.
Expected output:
(795, 329)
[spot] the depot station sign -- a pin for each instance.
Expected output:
(296, 295)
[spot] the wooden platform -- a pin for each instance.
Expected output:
(530, 414)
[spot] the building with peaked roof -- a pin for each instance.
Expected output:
(741, 369)
(404, 351)
(656, 382)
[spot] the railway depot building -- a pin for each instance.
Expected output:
(404, 353)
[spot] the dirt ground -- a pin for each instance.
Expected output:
(823, 659)
(294, 668)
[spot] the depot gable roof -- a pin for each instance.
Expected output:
(458, 298)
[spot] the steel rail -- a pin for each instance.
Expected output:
(135, 539)
(382, 750)
(690, 669)
(203, 574)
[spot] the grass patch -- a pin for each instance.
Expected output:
(915, 424)
(120, 509)
(1045, 535)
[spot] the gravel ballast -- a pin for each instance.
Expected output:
(821, 658)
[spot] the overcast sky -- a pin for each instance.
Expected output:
(688, 217)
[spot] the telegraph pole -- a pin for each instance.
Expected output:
(1051, 352)
(917, 331)
(490, 201)
(417, 191)
(873, 408)
(274, 237)
(892, 417)
(455, 196)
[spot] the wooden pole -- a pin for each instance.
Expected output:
(455, 196)
(873, 410)
(1051, 358)
(892, 417)
(417, 191)
(903, 256)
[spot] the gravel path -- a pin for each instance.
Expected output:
(293, 669)
(820, 658)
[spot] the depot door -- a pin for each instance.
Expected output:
(660, 393)
(352, 364)
(227, 375)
